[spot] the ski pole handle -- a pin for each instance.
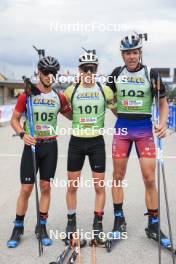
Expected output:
(30, 113)
(158, 83)
(30, 119)
(41, 52)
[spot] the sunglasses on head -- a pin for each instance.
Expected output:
(47, 72)
(91, 68)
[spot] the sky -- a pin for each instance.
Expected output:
(62, 27)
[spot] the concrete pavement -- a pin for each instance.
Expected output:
(136, 249)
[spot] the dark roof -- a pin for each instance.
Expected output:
(12, 83)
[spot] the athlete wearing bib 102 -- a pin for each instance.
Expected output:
(134, 89)
(134, 94)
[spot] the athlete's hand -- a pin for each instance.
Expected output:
(28, 140)
(160, 130)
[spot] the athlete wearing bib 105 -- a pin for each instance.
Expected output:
(46, 104)
(46, 107)
(133, 86)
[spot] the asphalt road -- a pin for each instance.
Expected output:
(136, 249)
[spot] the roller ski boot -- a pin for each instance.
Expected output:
(119, 225)
(70, 228)
(152, 232)
(99, 238)
(119, 231)
(41, 233)
(17, 232)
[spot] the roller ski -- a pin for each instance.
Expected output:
(152, 233)
(75, 253)
(74, 245)
(71, 240)
(112, 239)
(77, 244)
(61, 258)
(41, 233)
(119, 231)
(17, 232)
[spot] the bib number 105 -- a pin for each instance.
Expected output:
(44, 116)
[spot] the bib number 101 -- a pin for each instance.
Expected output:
(88, 109)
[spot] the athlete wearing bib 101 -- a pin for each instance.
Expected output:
(134, 94)
(88, 100)
(88, 113)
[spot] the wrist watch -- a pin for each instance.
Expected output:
(21, 134)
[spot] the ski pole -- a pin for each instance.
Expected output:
(168, 211)
(79, 252)
(94, 252)
(158, 169)
(41, 52)
(163, 174)
(89, 51)
(31, 127)
(145, 37)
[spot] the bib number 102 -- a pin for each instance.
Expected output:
(88, 109)
(132, 93)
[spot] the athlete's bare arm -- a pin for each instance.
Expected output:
(161, 130)
(114, 111)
